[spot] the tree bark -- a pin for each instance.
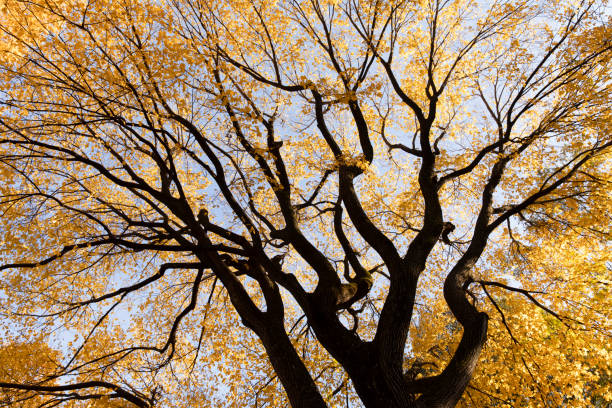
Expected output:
(447, 388)
(291, 371)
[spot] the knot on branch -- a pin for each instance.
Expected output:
(203, 217)
(349, 293)
(275, 145)
(447, 228)
(278, 260)
(281, 234)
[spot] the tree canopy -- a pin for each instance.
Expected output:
(314, 203)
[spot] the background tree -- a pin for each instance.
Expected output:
(362, 184)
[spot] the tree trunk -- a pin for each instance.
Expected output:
(291, 371)
(447, 388)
